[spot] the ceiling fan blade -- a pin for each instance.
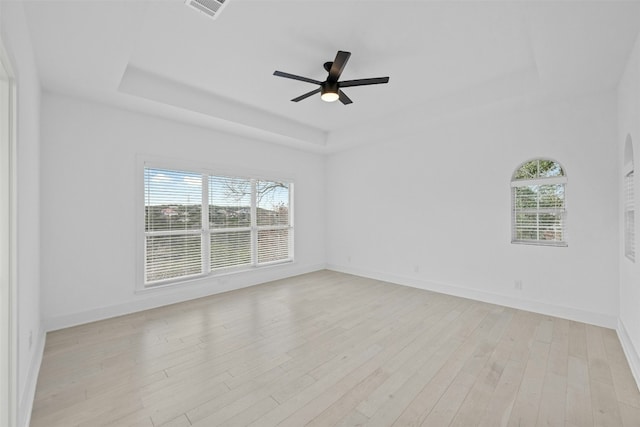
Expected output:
(294, 77)
(344, 98)
(364, 82)
(338, 65)
(306, 95)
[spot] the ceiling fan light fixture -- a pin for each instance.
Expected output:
(329, 92)
(330, 97)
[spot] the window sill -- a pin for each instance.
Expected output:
(203, 278)
(540, 243)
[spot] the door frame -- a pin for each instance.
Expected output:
(8, 242)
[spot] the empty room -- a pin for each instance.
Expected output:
(319, 213)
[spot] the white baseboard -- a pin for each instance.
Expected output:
(172, 295)
(541, 307)
(630, 351)
(26, 399)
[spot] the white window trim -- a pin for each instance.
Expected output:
(149, 161)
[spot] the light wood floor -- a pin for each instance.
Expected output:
(327, 349)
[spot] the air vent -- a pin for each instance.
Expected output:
(211, 8)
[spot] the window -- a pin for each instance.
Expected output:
(628, 207)
(198, 223)
(538, 203)
(629, 217)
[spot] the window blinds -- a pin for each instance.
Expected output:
(629, 217)
(539, 212)
(230, 221)
(273, 221)
(173, 222)
(198, 223)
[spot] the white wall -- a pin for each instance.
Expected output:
(629, 126)
(89, 205)
(431, 208)
(15, 36)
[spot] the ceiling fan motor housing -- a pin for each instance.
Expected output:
(329, 87)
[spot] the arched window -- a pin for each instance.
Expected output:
(629, 202)
(538, 203)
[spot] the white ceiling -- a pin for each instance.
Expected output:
(167, 59)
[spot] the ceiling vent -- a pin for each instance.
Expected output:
(211, 8)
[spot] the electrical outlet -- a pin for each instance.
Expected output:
(517, 285)
(416, 269)
(349, 258)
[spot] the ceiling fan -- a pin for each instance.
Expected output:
(330, 89)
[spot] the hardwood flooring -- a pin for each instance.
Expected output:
(330, 349)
